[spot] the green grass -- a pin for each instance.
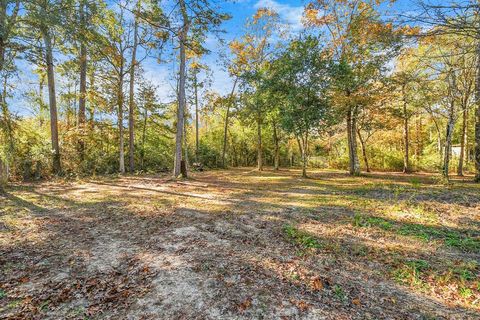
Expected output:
(339, 293)
(451, 238)
(301, 238)
(367, 221)
(411, 272)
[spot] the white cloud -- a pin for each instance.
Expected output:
(289, 14)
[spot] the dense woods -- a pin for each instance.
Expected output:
(356, 88)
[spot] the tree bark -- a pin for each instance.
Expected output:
(177, 166)
(91, 108)
(57, 168)
(227, 118)
(354, 165)
(406, 138)
(142, 161)
(302, 146)
(364, 150)
(3, 174)
(131, 104)
(463, 140)
(83, 87)
(195, 86)
(185, 146)
(259, 145)
(120, 123)
(448, 140)
(276, 160)
(477, 114)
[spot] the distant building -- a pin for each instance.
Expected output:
(456, 149)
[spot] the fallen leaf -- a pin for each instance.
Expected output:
(356, 301)
(317, 284)
(245, 305)
(301, 305)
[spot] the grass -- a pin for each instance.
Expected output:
(406, 231)
(411, 273)
(463, 241)
(301, 238)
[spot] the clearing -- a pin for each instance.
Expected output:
(241, 244)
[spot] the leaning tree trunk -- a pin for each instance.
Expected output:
(177, 165)
(259, 145)
(57, 168)
(463, 139)
(131, 105)
(354, 164)
(363, 144)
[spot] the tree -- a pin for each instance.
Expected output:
(457, 19)
(361, 46)
(251, 56)
(114, 42)
(301, 77)
(196, 84)
(449, 60)
(44, 16)
(196, 17)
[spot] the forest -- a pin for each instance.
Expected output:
(250, 159)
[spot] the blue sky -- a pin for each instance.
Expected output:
(290, 11)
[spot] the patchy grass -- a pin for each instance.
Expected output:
(242, 244)
(301, 238)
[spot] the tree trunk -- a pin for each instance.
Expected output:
(195, 86)
(120, 123)
(259, 145)
(7, 119)
(277, 148)
(354, 165)
(463, 139)
(303, 152)
(406, 138)
(448, 141)
(477, 114)
(83, 88)
(57, 168)
(131, 106)
(91, 108)
(227, 115)
(3, 174)
(142, 161)
(185, 146)
(177, 166)
(364, 150)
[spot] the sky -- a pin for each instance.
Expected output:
(289, 11)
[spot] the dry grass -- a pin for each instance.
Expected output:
(241, 244)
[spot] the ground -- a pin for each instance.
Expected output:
(241, 244)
